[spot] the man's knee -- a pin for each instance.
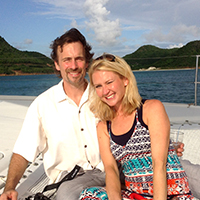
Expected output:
(69, 191)
(192, 171)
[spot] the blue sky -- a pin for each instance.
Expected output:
(114, 26)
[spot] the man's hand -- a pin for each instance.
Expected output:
(9, 195)
(17, 166)
(180, 150)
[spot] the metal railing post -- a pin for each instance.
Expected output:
(196, 77)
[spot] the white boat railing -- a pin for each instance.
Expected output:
(196, 78)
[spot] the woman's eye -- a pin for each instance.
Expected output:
(97, 86)
(109, 82)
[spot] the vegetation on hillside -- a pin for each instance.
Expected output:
(14, 61)
(151, 56)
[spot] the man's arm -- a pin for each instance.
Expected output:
(18, 165)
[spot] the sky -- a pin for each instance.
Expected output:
(119, 27)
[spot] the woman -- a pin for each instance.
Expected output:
(135, 133)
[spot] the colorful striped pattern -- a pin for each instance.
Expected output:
(136, 161)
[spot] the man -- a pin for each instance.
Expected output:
(60, 125)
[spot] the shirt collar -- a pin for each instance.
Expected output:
(59, 92)
(60, 95)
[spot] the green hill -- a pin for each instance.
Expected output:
(14, 61)
(151, 56)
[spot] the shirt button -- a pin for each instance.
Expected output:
(79, 111)
(82, 129)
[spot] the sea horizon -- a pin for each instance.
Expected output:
(171, 85)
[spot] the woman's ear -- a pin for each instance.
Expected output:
(126, 82)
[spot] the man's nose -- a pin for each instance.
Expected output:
(74, 64)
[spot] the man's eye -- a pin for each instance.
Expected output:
(80, 59)
(66, 60)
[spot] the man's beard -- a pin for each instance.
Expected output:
(76, 80)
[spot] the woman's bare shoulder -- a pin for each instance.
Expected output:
(102, 126)
(153, 104)
(152, 109)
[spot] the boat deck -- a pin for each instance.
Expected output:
(12, 113)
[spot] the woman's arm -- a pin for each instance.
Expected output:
(113, 186)
(157, 120)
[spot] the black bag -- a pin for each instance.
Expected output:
(41, 196)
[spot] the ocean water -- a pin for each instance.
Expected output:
(176, 86)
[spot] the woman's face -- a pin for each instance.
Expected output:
(109, 87)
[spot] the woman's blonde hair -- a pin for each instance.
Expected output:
(131, 99)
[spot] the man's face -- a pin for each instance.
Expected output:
(71, 63)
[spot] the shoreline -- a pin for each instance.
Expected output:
(25, 74)
(140, 70)
(159, 69)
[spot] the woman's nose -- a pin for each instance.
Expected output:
(105, 90)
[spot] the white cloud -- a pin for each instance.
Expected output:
(175, 46)
(176, 34)
(69, 9)
(106, 31)
(74, 23)
(23, 45)
(94, 12)
(28, 41)
(110, 24)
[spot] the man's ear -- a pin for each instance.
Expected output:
(57, 65)
(87, 64)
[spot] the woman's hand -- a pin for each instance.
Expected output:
(180, 149)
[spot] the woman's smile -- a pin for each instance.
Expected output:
(110, 96)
